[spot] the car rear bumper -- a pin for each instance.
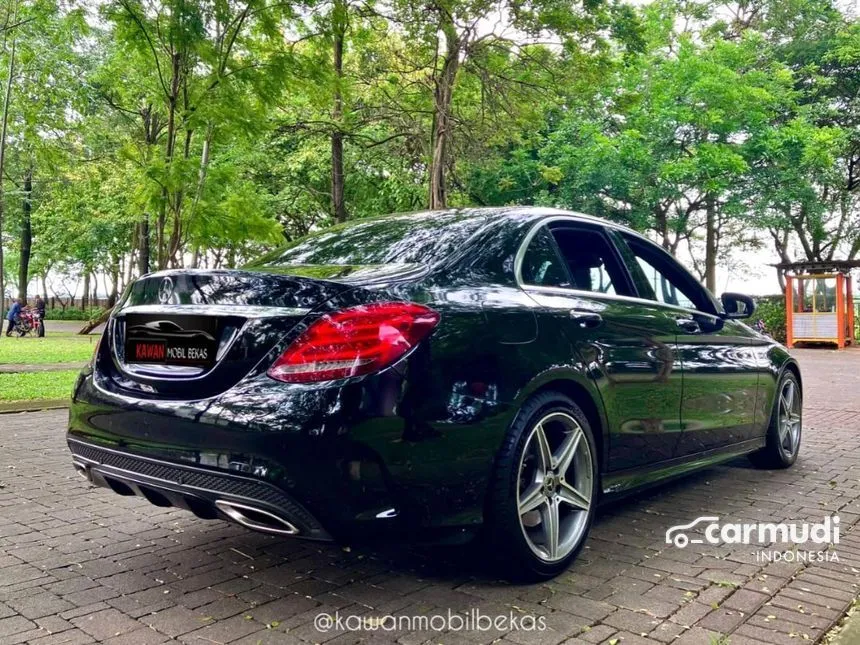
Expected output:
(332, 463)
(209, 495)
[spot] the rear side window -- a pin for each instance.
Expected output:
(542, 265)
(591, 260)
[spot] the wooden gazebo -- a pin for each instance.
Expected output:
(819, 302)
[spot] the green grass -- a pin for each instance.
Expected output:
(53, 348)
(34, 386)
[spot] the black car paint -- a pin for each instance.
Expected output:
(411, 448)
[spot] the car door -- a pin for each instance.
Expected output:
(574, 272)
(717, 357)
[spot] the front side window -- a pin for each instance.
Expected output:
(658, 277)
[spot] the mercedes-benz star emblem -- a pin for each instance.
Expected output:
(165, 291)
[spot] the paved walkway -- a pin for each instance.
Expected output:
(73, 326)
(79, 564)
(12, 368)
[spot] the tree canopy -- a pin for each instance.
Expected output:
(144, 134)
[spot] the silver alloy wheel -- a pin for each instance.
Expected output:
(789, 419)
(555, 487)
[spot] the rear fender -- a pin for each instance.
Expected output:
(574, 382)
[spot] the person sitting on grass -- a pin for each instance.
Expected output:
(12, 316)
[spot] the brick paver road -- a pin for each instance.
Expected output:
(79, 564)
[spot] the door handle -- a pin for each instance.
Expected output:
(688, 325)
(585, 319)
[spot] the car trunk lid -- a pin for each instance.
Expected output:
(194, 334)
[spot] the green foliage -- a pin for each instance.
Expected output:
(201, 132)
(73, 313)
(771, 310)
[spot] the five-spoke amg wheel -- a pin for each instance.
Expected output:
(542, 501)
(783, 434)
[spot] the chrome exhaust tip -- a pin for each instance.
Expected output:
(255, 518)
(83, 471)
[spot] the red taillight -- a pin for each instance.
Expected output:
(354, 341)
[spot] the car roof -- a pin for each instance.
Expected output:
(533, 213)
(527, 215)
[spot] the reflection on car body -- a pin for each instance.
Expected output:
(425, 374)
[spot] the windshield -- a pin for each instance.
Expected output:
(416, 238)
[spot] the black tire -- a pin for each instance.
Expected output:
(41, 332)
(514, 557)
(775, 454)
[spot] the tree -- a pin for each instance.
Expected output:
(674, 142)
(482, 38)
(201, 70)
(10, 24)
(805, 195)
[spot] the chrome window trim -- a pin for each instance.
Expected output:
(245, 311)
(597, 295)
(521, 252)
(574, 219)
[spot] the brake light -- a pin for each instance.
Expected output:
(354, 341)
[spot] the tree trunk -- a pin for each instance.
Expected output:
(168, 157)
(201, 174)
(160, 257)
(174, 248)
(150, 135)
(780, 240)
(3, 129)
(114, 280)
(662, 221)
(26, 235)
(339, 27)
(98, 320)
(711, 244)
(143, 246)
(799, 228)
(441, 132)
(129, 269)
(85, 298)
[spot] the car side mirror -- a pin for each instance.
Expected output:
(737, 305)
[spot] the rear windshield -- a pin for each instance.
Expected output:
(417, 238)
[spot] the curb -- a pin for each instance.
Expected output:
(847, 628)
(33, 406)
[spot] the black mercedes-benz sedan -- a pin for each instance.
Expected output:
(435, 376)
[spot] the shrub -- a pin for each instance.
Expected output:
(771, 309)
(73, 313)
